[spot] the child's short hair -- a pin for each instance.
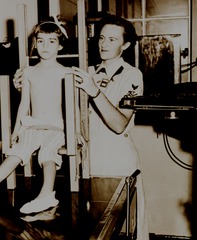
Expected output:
(47, 27)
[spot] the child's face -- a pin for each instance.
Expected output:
(47, 45)
(111, 42)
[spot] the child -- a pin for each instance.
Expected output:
(39, 121)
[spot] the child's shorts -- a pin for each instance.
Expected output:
(46, 140)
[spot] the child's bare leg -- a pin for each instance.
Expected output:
(8, 166)
(49, 173)
(46, 198)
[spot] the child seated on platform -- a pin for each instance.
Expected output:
(39, 121)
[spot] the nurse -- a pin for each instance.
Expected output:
(112, 151)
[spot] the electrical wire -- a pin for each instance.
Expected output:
(191, 65)
(173, 156)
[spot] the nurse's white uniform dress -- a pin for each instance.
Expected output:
(114, 154)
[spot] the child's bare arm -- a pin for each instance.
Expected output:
(23, 107)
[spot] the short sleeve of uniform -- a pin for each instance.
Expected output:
(131, 83)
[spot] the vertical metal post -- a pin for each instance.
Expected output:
(82, 34)
(54, 7)
(70, 115)
(23, 55)
(22, 34)
(6, 123)
(83, 98)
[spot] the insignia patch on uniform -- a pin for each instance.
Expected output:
(104, 82)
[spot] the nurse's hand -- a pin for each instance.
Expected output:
(84, 81)
(19, 78)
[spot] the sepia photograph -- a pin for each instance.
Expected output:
(98, 103)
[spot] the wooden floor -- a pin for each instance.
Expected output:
(73, 219)
(26, 190)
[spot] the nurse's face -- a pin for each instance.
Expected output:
(111, 42)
